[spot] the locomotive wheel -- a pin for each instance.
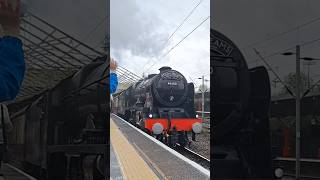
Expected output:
(43, 174)
(183, 139)
(57, 165)
(160, 137)
(126, 115)
(173, 138)
(169, 141)
(90, 168)
(146, 130)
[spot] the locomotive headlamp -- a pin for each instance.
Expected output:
(197, 128)
(278, 172)
(157, 128)
(150, 115)
(197, 116)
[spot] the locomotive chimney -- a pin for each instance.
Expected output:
(165, 68)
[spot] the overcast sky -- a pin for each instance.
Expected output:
(250, 21)
(140, 28)
(76, 17)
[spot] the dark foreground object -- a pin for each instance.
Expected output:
(9, 172)
(241, 143)
(62, 133)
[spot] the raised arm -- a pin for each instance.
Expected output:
(12, 65)
(113, 76)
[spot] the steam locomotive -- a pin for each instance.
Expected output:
(63, 132)
(162, 105)
(240, 125)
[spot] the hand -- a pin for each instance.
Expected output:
(113, 65)
(10, 18)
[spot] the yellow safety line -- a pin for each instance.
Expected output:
(132, 165)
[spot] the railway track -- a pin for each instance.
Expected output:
(203, 161)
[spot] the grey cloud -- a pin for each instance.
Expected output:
(144, 39)
(140, 29)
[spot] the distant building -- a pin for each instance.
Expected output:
(282, 125)
(198, 101)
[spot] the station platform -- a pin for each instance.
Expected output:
(125, 162)
(136, 155)
(10, 172)
(309, 168)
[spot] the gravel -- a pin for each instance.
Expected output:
(202, 145)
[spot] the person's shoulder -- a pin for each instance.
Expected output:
(11, 42)
(11, 39)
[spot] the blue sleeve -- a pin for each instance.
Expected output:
(12, 67)
(113, 82)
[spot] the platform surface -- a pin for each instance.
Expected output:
(131, 164)
(163, 162)
(115, 169)
(12, 173)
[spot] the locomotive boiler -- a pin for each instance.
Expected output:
(162, 105)
(62, 133)
(240, 125)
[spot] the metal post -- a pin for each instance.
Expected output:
(297, 112)
(4, 136)
(203, 90)
(309, 75)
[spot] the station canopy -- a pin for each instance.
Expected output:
(51, 55)
(126, 78)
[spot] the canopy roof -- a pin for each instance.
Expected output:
(51, 55)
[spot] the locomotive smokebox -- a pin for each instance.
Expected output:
(169, 87)
(241, 99)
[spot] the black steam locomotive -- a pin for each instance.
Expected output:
(63, 132)
(162, 105)
(240, 126)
